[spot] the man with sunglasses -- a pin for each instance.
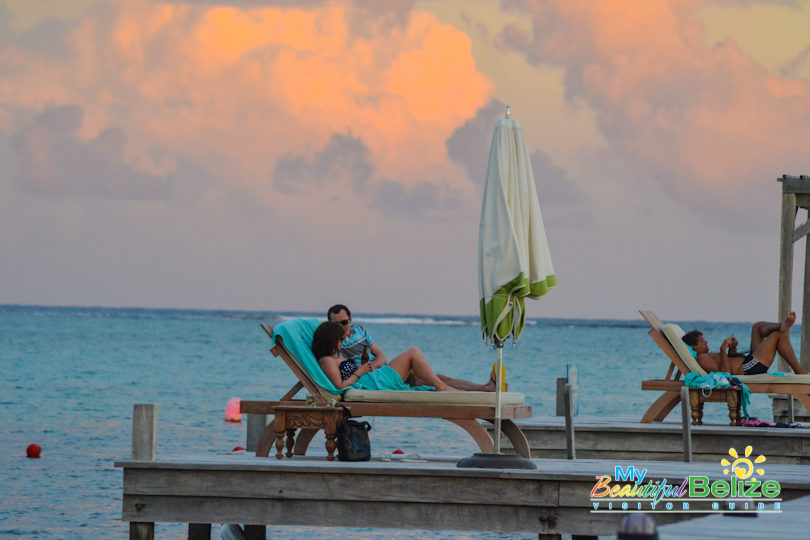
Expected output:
(358, 339)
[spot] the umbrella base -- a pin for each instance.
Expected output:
(496, 461)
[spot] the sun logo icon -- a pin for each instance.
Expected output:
(742, 466)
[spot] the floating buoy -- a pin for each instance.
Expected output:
(232, 413)
(397, 451)
(33, 450)
(238, 449)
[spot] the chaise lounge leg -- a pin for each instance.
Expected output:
(516, 437)
(477, 432)
(662, 407)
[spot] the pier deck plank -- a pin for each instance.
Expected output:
(793, 522)
(239, 488)
(628, 439)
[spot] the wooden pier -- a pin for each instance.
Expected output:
(432, 495)
(627, 439)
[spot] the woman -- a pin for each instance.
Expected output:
(344, 373)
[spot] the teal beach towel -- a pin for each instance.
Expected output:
(297, 337)
(719, 379)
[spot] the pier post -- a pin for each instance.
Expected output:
(255, 426)
(144, 447)
(687, 427)
(570, 446)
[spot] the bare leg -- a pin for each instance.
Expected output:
(458, 384)
(779, 341)
(762, 329)
(414, 360)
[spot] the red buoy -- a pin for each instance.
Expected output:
(238, 449)
(397, 451)
(33, 450)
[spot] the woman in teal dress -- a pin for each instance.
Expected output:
(346, 373)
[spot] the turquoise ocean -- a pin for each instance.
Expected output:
(70, 376)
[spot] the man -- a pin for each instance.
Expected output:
(766, 340)
(357, 339)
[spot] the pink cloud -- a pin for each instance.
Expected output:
(250, 85)
(711, 124)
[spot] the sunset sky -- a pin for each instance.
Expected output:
(282, 155)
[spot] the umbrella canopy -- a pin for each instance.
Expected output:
(514, 261)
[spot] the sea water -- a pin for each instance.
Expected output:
(70, 377)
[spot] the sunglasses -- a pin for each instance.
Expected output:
(344, 322)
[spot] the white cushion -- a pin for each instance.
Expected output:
(674, 333)
(444, 398)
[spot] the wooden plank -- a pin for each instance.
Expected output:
(402, 410)
(793, 522)
(372, 514)
(304, 485)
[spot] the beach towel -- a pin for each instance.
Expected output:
(719, 379)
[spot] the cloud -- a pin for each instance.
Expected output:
(469, 144)
(344, 161)
(54, 162)
(712, 127)
(424, 200)
(255, 84)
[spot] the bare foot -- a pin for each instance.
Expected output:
(788, 322)
(445, 388)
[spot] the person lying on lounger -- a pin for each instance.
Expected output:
(766, 340)
(357, 339)
(342, 372)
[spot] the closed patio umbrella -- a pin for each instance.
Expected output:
(514, 261)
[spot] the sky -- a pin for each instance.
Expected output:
(285, 156)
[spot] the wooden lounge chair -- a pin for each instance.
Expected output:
(461, 408)
(668, 337)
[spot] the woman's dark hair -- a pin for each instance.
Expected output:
(325, 339)
(691, 338)
(337, 308)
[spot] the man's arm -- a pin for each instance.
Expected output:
(379, 357)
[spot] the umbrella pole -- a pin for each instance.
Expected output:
(498, 382)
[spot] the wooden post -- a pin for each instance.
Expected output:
(199, 531)
(144, 431)
(144, 447)
(561, 382)
(570, 447)
(255, 426)
(256, 532)
(687, 426)
(786, 259)
(804, 347)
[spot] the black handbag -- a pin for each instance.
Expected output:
(353, 443)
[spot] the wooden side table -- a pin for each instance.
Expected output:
(288, 418)
(729, 396)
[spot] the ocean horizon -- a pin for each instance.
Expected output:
(72, 375)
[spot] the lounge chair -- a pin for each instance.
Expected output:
(668, 337)
(292, 341)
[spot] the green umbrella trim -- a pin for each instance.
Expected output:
(498, 306)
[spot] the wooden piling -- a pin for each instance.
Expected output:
(687, 426)
(144, 448)
(255, 426)
(570, 446)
